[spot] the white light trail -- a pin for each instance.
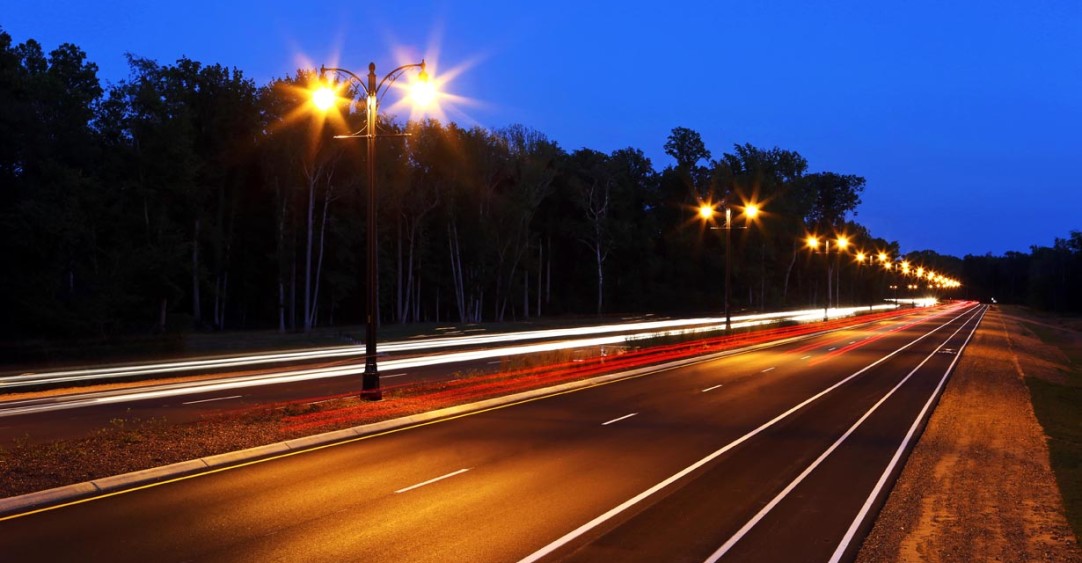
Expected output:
(11, 408)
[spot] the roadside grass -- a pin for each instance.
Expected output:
(1057, 407)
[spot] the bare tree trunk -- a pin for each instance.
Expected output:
(293, 292)
(600, 277)
(319, 263)
(456, 272)
(788, 274)
(548, 277)
(540, 269)
(400, 309)
(308, 254)
(281, 305)
(196, 305)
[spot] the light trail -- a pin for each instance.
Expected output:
(620, 333)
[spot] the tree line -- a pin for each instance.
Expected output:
(186, 197)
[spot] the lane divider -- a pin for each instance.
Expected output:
(430, 481)
(625, 417)
(214, 399)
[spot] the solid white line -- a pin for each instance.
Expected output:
(215, 399)
(853, 342)
(494, 363)
(392, 375)
(851, 532)
(822, 457)
(570, 536)
(710, 388)
(832, 349)
(767, 369)
(430, 481)
(805, 357)
(619, 419)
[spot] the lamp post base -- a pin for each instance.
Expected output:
(370, 390)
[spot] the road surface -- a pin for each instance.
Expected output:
(776, 455)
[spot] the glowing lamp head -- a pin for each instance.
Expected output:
(861, 257)
(706, 211)
(423, 89)
(843, 243)
(882, 256)
(324, 98)
(812, 242)
(751, 211)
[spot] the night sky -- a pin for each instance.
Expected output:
(964, 117)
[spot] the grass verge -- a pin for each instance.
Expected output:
(1056, 405)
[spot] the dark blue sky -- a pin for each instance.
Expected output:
(964, 117)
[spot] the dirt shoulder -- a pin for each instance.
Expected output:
(978, 486)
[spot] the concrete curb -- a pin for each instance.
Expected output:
(11, 505)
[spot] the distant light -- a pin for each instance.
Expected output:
(843, 242)
(706, 211)
(751, 211)
(812, 242)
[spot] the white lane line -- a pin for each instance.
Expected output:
(573, 534)
(393, 375)
(848, 538)
(710, 388)
(430, 481)
(768, 369)
(805, 357)
(852, 341)
(832, 349)
(714, 557)
(214, 399)
(619, 419)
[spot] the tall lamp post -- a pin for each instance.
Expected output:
(706, 213)
(325, 98)
(840, 244)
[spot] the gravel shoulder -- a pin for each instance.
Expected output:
(979, 486)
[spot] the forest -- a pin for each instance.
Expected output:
(188, 198)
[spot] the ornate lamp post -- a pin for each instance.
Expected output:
(706, 213)
(326, 97)
(840, 244)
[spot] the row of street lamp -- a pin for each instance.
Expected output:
(328, 94)
(903, 268)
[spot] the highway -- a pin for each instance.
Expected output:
(779, 454)
(230, 383)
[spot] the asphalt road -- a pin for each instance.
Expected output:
(777, 455)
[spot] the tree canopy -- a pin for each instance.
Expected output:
(187, 197)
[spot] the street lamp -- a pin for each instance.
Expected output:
(840, 244)
(325, 98)
(706, 213)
